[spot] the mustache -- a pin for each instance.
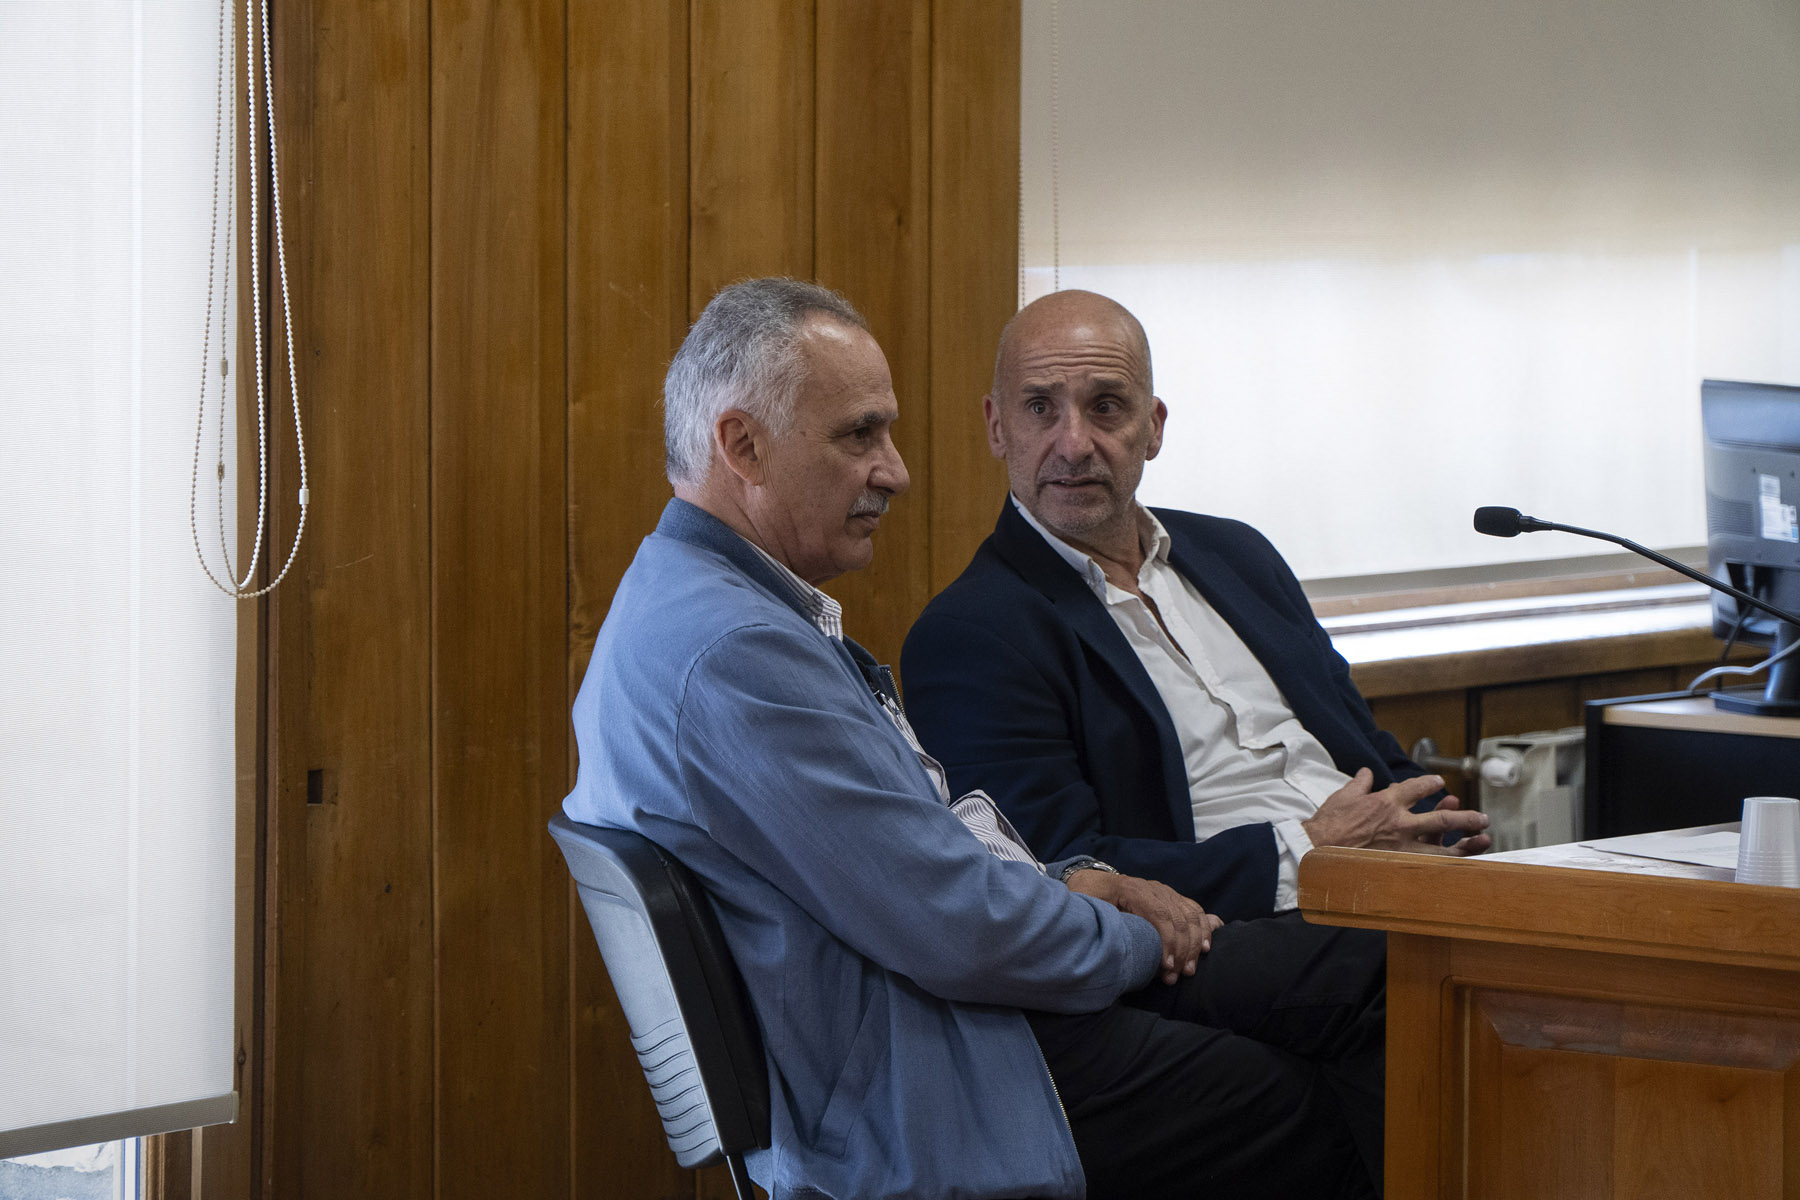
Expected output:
(1061, 469)
(870, 504)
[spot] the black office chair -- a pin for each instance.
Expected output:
(683, 998)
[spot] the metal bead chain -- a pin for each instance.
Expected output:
(230, 585)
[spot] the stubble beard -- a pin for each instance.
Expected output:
(1076, 514)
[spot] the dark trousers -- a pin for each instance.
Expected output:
(1261, 1076)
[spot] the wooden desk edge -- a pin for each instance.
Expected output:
(1567, 907)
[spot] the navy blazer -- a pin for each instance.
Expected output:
(1019, 682)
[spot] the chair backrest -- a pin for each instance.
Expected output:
(683, 998)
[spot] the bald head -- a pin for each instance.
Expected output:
(1073, 416)
(1071, 318)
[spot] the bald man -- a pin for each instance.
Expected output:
(1147, 687)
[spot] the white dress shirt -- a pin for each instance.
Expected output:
(1248, 758)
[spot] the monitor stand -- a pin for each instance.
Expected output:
(1781, 698)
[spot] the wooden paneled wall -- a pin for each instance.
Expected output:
(502, 216)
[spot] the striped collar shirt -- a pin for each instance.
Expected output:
(820, 609)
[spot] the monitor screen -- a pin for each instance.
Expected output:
(1752, 436)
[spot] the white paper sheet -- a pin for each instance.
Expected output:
(1706, 846)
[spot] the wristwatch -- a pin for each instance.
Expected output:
(1085, 864)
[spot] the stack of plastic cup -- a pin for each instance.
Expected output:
(1769, 843)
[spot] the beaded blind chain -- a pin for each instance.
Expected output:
(218, 269)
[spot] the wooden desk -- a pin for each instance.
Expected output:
(1565, 1023)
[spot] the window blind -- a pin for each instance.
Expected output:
(1401, 258)
(116, 655)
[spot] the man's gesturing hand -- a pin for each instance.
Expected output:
(1186, 928)
(1355, 816)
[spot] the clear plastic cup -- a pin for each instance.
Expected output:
(1769, 842)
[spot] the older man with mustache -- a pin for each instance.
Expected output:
(943, 1014)
(1149, 688)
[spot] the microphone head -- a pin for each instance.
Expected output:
(1498, 522)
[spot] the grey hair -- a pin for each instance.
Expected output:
(743, 352)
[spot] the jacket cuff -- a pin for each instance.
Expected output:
(1062, 866)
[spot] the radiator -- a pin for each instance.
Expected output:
(1531, 787)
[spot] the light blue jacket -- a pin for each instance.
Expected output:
(886, 951)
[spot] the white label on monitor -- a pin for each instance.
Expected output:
(1779, 521)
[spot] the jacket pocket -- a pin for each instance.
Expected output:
(869, 1051)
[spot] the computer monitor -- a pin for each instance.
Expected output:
(1752, 433)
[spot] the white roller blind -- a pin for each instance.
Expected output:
(116, 654)
(1400, 258)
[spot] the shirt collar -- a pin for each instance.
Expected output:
(820, 609)
(1152, 537)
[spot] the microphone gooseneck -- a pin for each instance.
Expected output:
(1497, 521)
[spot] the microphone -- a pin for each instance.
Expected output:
(1510, 522)
(1506, 522)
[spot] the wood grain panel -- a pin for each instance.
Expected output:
(167, 1166)
(1690, 1129)
(1717, 1036)
(627, 285)
(350, 877)
(1417, 1010)
(1529, 707)
(1436, 715)
(974, 262)
(1524, 1136)
(500, 606)
(871, 180)
(627, 295)
(751, 143)
(289, 1087)
(1622, 1098)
